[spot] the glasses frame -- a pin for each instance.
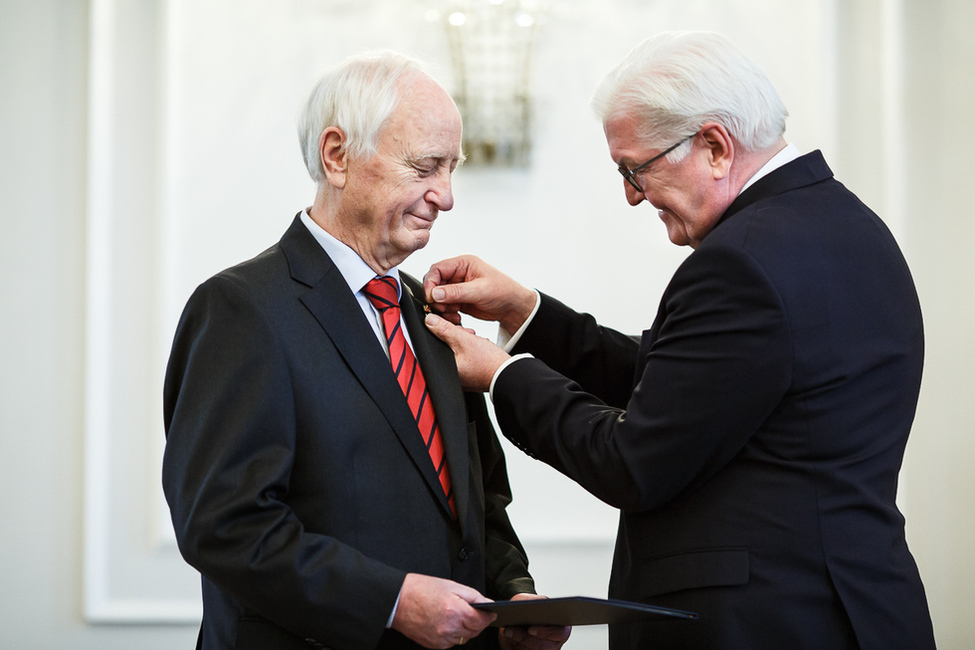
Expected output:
(630, 174)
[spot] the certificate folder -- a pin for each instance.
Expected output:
(577, 610)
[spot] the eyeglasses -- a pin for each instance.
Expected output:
(630, 174)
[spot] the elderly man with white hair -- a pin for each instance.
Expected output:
(752, 437)
(325, 472)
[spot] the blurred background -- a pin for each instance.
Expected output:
(147, 144)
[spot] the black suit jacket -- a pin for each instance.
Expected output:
(753, 436)
(297, 480)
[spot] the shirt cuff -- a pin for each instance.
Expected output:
(497, 373)
(389, 623)
(506, 340)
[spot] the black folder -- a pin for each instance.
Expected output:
(576, 610)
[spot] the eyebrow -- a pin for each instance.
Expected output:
(439, 157)
(621, 162)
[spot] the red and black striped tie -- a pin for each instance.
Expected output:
(383, 293)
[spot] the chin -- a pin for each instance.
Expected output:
(420, 239)
(678, 237)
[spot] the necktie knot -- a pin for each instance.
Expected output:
(383, 292)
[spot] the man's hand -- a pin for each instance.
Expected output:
(477, 358)
(436, 613)
(467, 284)
(537, 637)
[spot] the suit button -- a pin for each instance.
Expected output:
(464, 554)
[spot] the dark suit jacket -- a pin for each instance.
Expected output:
(297, 480)
(752, 438)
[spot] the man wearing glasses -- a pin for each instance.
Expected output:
(753, 436)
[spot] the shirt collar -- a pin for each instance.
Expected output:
(352, 267)
(786, 155)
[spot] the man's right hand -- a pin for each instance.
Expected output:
(436, 613)
(469, 285)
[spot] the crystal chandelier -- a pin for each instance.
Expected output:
(490, 50)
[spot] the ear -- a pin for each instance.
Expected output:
(720, 147)
(334, 155)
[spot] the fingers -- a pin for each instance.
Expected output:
(445, 294)
(469, 285)
(443, 329)
(436, 613)
(453, 334)
(537, 637)
(477, 358)
(450, 271)
(452, 316)
(467, 296)
(459, 283)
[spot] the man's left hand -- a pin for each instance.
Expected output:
(537, 637)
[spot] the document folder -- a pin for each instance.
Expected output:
(576, 610)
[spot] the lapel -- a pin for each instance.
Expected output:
(333, 305)
(440, 372)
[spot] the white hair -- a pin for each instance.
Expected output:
(357, 96)
(676, 82)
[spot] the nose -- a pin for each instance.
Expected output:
(441, 194)
(632, 196)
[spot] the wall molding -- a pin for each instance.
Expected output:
(132, 571)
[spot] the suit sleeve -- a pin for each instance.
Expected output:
(719, 363)
(600, 359)
(230, 426)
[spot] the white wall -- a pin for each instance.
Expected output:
(938, 478)
(137, 162)
(43, 77)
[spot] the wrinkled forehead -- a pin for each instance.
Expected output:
(426, 121)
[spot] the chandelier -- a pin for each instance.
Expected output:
(490, 50)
